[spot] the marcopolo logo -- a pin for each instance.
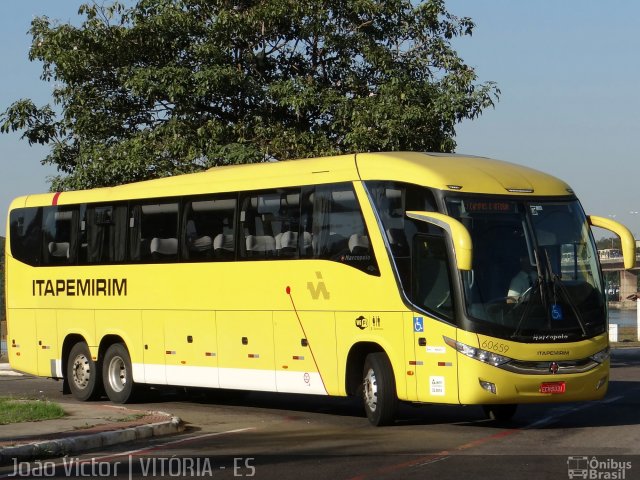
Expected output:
(594, 468)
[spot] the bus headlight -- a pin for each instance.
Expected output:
(477, 353)
(602, 356)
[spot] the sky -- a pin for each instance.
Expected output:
(568, 72)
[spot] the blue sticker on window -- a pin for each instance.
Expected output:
(556, 312)
(418, 324)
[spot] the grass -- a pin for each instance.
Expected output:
(16, 411)
(129, 418)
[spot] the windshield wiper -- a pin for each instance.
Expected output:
(557, 282)
(525, 298)
(537, 284)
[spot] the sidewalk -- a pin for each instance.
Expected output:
(87, 426)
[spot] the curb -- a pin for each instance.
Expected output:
(82, 443)
(624, 345)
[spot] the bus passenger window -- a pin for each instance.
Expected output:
(105, 233)
(338, 231)
(60, 232)
(208, 228)
(26, 235)
(270, 223)
(154, 232)
(287, 226)
(82, 240)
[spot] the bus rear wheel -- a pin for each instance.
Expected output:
(117, 376)
(83, 374)
(379, 390)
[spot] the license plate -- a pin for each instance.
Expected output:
(553, 387)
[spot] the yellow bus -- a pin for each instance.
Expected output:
(419, 277)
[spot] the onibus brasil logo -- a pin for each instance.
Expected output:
(594, 468)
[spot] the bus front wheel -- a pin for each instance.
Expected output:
(379, 390)
(83, 374)
(117, 376)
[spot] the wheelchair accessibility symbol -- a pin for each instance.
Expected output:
(418, 324)
(556, 312)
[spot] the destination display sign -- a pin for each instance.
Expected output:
(490, 206)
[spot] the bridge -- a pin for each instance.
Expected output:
(628, 279)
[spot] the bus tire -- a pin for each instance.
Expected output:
(501, 413)
(379, 390)
(117, 375)
(83, 374)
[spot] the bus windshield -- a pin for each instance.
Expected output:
(535, 273)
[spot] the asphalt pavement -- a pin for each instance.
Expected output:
(86, 426)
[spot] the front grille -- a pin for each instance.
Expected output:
(545, 368)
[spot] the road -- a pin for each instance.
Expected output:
(269, 436)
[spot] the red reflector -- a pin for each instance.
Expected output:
(553, 387)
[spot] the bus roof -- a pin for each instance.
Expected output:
(448, 172)
(466, 173)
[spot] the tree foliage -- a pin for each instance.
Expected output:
(605, 243)
(170, 86)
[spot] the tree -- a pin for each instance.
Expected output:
(171, 86)
(605, 243)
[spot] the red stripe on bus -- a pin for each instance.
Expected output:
(54, 202)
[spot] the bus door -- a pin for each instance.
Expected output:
(435, 363)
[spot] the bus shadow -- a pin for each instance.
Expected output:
(291, 405)
(296, 406)
(620, 407)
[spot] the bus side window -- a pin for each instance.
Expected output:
(105, 233)
(256, 239)
(306, 222)
(338, 231)
(60, 235)
(432, 282)
(208, 231)
(287, 226)
(82, 240)
(270, 222)
(26, 235)
(391, 200)
(159, 232)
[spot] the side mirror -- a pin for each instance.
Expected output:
(458, 233)
(626, 237)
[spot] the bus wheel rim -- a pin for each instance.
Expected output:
(371, 390)
(117, 374)
(81, 371)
